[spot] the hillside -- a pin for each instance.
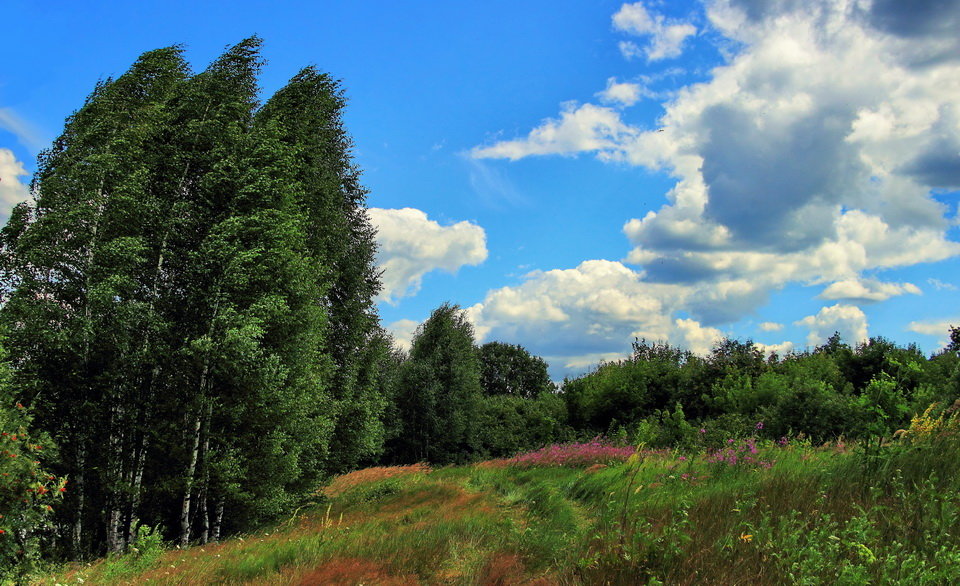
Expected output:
(750, 512)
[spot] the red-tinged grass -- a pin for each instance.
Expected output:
(508, 569)
(348, 572)
(347, 482)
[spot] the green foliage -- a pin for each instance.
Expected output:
(27, 491)
(822, 394)
(191, 300)
(440, 394)
(667, 429)
(142, 555)
(507, 369)
(510, 424)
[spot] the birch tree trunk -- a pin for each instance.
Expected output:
(114, 476)
(217, 520)
(189, 478)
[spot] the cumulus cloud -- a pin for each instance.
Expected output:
(623, 93)
(411, 245)
(867, 290)
(12, 189)
(587, 360)
(593, 310)
(849, 320)
(939, 328)
(933, 328)
(780, 349)
(815, 153)
(808, 157)
(770, 326)
(580, 128)
(402, 332)
(666, 36)
(690, 334)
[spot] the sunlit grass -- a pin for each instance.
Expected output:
(788, 513)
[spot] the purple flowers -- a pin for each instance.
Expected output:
(739, 454)
(575, 455)
(759, 425)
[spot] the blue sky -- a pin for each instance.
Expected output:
(578, 174)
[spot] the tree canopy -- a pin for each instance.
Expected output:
(190, 298)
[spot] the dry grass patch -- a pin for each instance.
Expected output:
(347, 482)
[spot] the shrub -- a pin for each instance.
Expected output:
(26, 492)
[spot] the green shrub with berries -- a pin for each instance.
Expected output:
(28, 494)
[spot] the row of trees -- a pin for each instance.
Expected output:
(455, 402)
(834, 390)
(188, 302)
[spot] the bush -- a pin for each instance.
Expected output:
(26, 492)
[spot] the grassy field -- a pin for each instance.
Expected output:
(749, 512)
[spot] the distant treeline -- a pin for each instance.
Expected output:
(451, 402)
(190, 325)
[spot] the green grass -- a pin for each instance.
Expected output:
(817, 516)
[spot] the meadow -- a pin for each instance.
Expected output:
(746, 511)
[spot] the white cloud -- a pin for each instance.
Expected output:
(579, 129)
(867, 290)
(938, 328)
(941, 286)
(808, 156)
(849, 320)
(667, 36)
(24, 131)
(934, 328)
(781, 349)
(626, 94)
(402, 332)
(769, 326)
(593, 310)
(587, 360)
(629, 49)
(12, 190)
(690, 334)
(411, 245)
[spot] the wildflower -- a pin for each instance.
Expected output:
(759, 425)
(2, 531)
(682, 458)
(19, 406)
(744, 537)
(702, 430)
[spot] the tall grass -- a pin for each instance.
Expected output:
(754, 512)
